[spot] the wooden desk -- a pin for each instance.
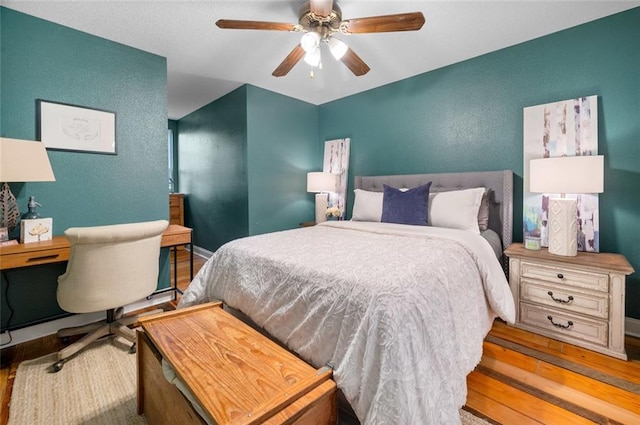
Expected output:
(57, 250)
(174, 237)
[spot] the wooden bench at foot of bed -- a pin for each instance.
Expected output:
(233, 374)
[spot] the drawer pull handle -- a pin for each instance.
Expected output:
(43, 258)
(560, 276)
(560, 300)
(560, 325)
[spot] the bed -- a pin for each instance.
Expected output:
(399, 311)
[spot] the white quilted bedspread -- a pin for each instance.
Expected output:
(400, 311)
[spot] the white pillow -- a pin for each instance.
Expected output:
(367, 206)
(456, 209)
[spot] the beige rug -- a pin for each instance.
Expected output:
(97, 387)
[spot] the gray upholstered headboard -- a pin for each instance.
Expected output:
(500, 209)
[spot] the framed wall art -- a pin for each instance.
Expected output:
(336, 160)
(564, 128)
(65, 127)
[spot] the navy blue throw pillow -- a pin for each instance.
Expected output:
(406, 207)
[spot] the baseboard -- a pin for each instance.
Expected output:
(632, 327)
(49, 328)
(202, 252)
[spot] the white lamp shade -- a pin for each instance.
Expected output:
(337, 47)
(24, 161)
(310, 41)
(567, 174)
(321, 182)
(313, 57)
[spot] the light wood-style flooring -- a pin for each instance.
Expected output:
(523, 378)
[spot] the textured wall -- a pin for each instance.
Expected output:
(42, 60)
(468, 117)
(243, 161)
(282, 148)
(212, 152)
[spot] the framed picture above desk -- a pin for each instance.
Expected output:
(24, 260)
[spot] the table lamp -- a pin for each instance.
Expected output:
(567, 174)
(20, 161)
(321, 184)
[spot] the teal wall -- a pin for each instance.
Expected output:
(243, 161)
(212, 151)
(173, 126)
(468, 117)
(43, 60)
(282, 148)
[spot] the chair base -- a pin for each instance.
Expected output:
(114, 325)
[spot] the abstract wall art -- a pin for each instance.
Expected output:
(565, 128)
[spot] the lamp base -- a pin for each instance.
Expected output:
(563, 227)
(321, 207)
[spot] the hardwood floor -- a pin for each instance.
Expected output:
(523, 378)
(526, 378)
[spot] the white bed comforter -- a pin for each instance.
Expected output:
(400, 311)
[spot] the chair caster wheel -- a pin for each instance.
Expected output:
(56, 367)
(133, 349)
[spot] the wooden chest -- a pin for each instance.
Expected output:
(235, 374)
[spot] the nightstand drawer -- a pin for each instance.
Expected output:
(565, 324)
(566, 276)
(566, 298)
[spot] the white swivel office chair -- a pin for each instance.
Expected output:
(109, 267)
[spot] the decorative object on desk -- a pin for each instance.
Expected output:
(4, 234)
(67, 127)
(20, 161)
(321, 184)
(31, 209)
(336, 161)
(36, 230)
(565, 128)
(569, 174)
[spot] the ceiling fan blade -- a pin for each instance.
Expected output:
(289, 62)
(254, 25)
(354, 63)
(321, 7)
(388, 23)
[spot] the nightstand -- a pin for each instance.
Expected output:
(579, 300)
(307, 223)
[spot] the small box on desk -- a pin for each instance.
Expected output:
(36, 230)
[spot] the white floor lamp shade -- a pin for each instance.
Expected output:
(569, 174)
(321, 183)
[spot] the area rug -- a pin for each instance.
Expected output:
(97, 387)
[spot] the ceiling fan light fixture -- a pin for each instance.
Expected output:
(337, 47)
(313, 57)
(310, 41)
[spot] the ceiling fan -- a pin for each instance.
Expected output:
(320, 21)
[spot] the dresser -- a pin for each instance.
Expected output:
(579, 300)
(176, 208)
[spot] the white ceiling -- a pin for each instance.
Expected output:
(205, 62)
